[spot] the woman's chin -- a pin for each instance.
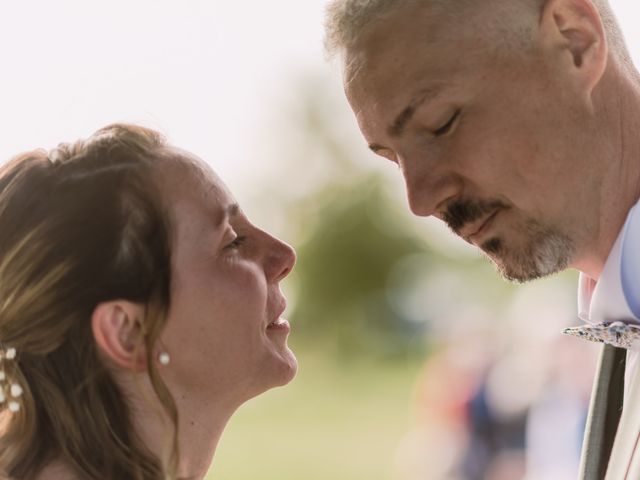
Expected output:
(288, 367)
(293, 365)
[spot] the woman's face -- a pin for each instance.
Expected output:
(225, 333)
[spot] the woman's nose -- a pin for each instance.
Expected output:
(282, 258)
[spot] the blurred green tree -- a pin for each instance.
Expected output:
(344, 264)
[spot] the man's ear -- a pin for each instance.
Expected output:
(575, 29)
(117, 330)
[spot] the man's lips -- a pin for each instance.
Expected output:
(473, 231)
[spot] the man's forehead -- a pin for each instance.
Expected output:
(416, 51)
(407, 41)
(386, 86)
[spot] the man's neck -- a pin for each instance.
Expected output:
(620, 183)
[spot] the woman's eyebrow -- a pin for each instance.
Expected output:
(229, 212)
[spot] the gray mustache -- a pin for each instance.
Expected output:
(463, 211)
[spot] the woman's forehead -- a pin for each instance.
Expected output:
(193, 190)
(181, 166)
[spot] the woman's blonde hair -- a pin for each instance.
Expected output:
(80, 225)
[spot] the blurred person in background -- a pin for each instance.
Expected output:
(485, 411)
(436, 444)
(139, 308)
(556, 419)
(515, 122)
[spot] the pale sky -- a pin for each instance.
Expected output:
(210, 74)
(204, 72)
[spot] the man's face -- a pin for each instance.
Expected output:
(492, 141)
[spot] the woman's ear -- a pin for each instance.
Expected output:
(117, 330)
(575, 29)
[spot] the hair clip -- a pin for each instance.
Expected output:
(9, 390)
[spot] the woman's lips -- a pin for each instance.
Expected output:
(280, 324)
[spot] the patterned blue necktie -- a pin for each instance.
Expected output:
(618, 334)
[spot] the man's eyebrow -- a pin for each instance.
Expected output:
(397, 127)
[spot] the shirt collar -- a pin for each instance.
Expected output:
(616, 295)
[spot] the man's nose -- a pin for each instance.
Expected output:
(428, 185)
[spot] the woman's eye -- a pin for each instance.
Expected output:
(443, 130)
(235, 243)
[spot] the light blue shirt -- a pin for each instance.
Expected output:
(630, 260)
(615, 297)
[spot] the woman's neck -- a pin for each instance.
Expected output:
(200, 427)
(198, 438)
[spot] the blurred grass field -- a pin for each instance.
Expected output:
(338, 419)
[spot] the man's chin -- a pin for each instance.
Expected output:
(515, 274)
(529, 263)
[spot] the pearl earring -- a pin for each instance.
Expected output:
(164, 358)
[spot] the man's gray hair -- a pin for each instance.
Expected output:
(346, 20)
